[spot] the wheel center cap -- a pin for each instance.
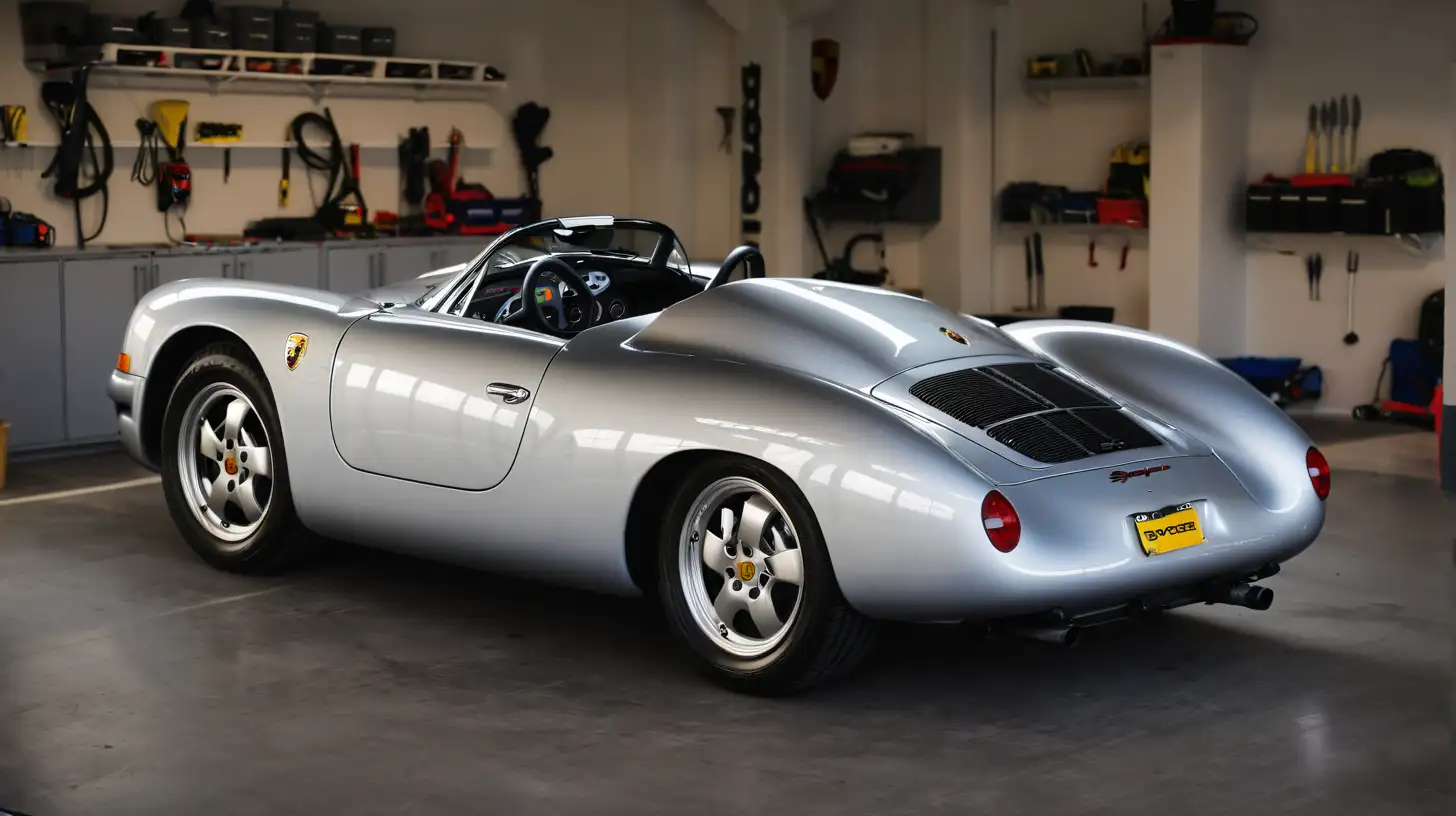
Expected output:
(231, 466)
(746, 571)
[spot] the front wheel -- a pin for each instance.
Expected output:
(224, 470)
(746, 580)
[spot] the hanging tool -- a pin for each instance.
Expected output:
(1334, 129)
(81, 132)
(1311, 143)
(1354, 134)
(1040, 272)
(1092, 253)
(1352, 266)
(223, 133)
(1346, 158)
(283, 182)
(13, 125)
(1030, 277)
(1314, 266)
(1122, 264)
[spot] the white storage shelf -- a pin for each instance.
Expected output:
(1421, 246)
(236, 69)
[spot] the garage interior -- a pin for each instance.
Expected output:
(134, 679)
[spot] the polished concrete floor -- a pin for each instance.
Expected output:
(133, 679)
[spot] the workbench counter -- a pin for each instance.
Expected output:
(63, 312)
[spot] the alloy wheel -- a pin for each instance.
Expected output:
(740, 567)
(224, 464)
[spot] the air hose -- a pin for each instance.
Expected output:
(332, 163)
(81, 132)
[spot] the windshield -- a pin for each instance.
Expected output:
(616, 240)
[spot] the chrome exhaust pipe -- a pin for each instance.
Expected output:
(1064, 636)
(1249, 596)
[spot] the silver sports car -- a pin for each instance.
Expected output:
(782, 462)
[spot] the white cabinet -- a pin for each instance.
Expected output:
(402, 263)
(350, 270)
(32, 373)
(290, 267)
(98, 295)
(169, 268)
(459, 252)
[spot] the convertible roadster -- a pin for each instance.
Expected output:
(782, 462)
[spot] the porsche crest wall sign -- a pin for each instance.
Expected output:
(297, 345)
(825, 62)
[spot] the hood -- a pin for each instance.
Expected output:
(855, 336)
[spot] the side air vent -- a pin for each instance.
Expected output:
(1035, 411)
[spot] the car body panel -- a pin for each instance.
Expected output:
(809, 377)
(409, 396)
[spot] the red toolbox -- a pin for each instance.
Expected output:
(1130, 212)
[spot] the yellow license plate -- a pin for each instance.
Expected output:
(1168, 530)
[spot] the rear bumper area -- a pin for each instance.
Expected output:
(125, 391)
(1079, 552)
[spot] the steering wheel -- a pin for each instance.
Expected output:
(745, 254)
(568, 293)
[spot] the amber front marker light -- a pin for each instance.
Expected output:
(123, 363)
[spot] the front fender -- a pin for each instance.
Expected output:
(1258, 442)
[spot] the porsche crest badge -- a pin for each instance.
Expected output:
(746, 571)
(297, 345)
(825, 62)
(956, 336)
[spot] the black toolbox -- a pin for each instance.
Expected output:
(1259, 204)
(1356, 215)
(377, 42)
(295, 32)
(173, 31)
(209, 34)
(112, 28)
(252, 28)
(51, 27)
(334, 39)
(1321, 209)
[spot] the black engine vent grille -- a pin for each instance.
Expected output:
(1035, 411)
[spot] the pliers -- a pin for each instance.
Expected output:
(1314, 266)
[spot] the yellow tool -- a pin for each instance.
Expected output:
(1044, 67)
(283, 182)
(13, 125)
(171, 118)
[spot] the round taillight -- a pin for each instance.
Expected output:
(1319, 472)
(1002, 524)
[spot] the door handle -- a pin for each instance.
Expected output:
(509, 394)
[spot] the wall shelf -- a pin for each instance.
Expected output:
(1019, 230)
(236, 73)
(1041, 88)
(1427, 246)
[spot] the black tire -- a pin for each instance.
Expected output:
(280, 539)
(828, 637)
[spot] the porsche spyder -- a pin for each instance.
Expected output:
(782, 463)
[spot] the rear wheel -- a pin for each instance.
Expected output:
(746, 580)
(224, 470)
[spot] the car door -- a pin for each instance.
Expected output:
(435, 398)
